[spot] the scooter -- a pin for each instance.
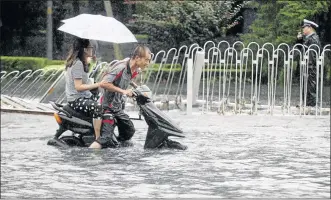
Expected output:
(160, 126)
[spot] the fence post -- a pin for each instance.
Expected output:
(189, 86)
(196, 75)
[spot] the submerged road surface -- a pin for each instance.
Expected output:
(227, 157)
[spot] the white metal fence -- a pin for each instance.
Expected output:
(224, 78)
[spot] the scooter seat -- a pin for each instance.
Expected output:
(76, 114)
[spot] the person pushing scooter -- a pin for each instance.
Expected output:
(115, 84)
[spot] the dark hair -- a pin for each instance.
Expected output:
(140, 51)
(77, 51)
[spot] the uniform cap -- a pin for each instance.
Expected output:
(309, 23)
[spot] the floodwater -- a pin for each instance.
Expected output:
(234, 156)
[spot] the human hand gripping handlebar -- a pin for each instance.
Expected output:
(135, 92)
(138, 95)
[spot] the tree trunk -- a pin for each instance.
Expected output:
(328, 27)
(75, 6)
(117, 50)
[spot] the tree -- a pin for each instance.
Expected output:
(59, 12)
(20, 20)
(176, 23)
(279, 21)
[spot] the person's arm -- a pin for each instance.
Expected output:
(77, 72)
(311, 43)
(112, 88)
(79, 86)
(299, 38)
(108, 80)
(315, 40)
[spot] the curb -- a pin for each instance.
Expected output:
(33, 112)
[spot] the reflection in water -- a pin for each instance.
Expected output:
(227, 156)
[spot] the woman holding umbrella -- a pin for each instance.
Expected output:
(89, 27)
(78, 88)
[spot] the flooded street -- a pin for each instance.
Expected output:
(228, 157)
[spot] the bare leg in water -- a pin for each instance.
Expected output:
(97, 127)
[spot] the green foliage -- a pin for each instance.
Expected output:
(176, 70)
(178, 67)
(17, 19)
(24, 24)
(252, 4)
(280, 21)
(21, 63)
(141, 36)
(56, 67)
(327, 70)
(165, 70)
(176, 23)
(156, 66)
(55, 62)
(11, 63)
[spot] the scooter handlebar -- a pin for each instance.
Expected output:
(135, 92)
(138, 95)
(133, 85)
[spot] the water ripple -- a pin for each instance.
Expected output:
(227, 157)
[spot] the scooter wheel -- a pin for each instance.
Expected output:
(72, 141)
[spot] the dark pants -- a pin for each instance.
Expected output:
(311, 87)
(125, 129)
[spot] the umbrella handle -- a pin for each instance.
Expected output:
(95, 68)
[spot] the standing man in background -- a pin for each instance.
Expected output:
(309, 37)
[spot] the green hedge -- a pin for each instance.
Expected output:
(12, 63)
(156, 66)
(56, 67)
(178, 68)
(55, 62)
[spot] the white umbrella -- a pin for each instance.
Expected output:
(98, 27)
